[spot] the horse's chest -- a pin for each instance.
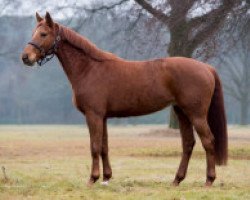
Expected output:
(87, 100)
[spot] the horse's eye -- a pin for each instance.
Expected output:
(43, 34)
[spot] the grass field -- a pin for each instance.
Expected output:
(53, 162)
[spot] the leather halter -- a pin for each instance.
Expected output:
(47, 56)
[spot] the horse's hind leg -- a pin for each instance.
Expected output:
(188, 142)
(107, 171)
(207, 140)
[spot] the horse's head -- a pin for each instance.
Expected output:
(44, 41)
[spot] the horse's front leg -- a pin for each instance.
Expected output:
(95, 124)
(107, 171)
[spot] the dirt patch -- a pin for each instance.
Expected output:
(163, 132)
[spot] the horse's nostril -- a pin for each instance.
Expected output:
(25, 57)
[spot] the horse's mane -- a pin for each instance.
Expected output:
(84, 44)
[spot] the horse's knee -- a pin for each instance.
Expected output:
(95, 150)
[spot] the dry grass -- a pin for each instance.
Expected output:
(52, 162)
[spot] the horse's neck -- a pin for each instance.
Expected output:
(75, 64)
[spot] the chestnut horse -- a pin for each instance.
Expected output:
(106, 86)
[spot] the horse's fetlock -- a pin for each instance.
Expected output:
(107, 176)
(180, 177)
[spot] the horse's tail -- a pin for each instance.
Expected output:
(218, 123)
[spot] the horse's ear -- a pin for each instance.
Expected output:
(38, 17)
(49, 20)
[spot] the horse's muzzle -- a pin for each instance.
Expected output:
(26, 60)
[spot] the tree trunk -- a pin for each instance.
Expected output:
(173, 120)
(177, 47)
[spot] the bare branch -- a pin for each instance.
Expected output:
(155, 12)
(106, 7)
(212, 21)
(94, 10)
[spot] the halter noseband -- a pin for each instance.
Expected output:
(47, 56)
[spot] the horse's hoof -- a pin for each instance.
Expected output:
(90, 183)
(208, 184)
(175, 183)
(209, 181)
(105, 183)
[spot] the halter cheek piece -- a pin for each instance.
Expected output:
(46, 56)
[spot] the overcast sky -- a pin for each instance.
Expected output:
(29, 7)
